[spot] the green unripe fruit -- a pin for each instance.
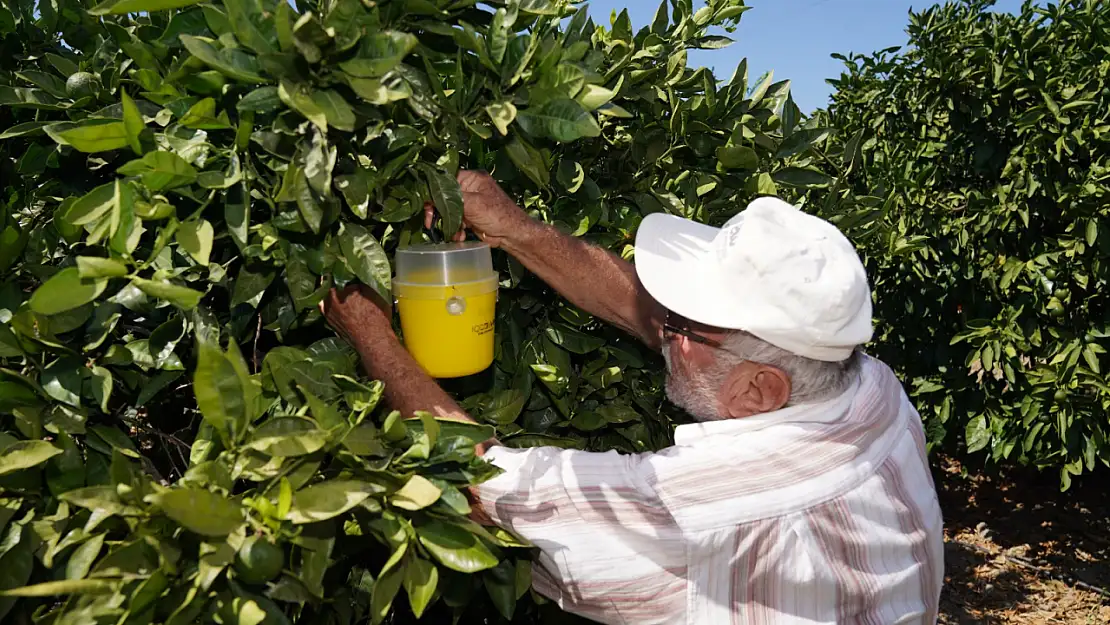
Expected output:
(1060, 395)
(259, 560)
(1055, 307)
(82, 84)
(1050, 273)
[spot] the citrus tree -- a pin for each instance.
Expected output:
(983, 144)
(181, 436)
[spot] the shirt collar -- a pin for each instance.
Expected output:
(821, 412)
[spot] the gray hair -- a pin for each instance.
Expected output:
(811, 380)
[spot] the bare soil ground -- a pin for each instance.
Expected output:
(1021, 552)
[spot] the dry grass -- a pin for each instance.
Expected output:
(1000, 518)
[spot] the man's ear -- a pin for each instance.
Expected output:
(752, 388)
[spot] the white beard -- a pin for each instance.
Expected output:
(696, 394)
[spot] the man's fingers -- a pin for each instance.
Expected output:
(429, 214)
(326, 302)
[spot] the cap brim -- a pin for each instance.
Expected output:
(671, 255)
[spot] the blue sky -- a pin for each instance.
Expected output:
(796, 37)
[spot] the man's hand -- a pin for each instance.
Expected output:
(357, 312)
(487, 209)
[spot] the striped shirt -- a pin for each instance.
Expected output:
(820, 513)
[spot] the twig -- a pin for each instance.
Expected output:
(169, 437)
(257, 333)
(168, 449)
(1067, 578)
(153, 470)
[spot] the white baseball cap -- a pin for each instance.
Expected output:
(787, 277)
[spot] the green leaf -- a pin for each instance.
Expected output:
(711, 42)
(47, 82)
(288, 436)
(421, 579)
(661, 22)
(261, 100)
(195, 237)
(418, 493)
(251, 26)
(500, 583)
(91, 267)
(447, 197)
(573, 340)
(455, 547)
(571, 175)
(366, 258)
(93, 205)
(12, 244)
(978, 434)
(326, 500)
(300, 99)
(102, 383)
(93, 135)
(180, 296)
(356, 191)
(498, 38)
(541, 7)
(251, 285)
(116, 439)
(738, 157)
(26, 129)
(761, 89)
(119, 7)
(319, 162)
(161, 170)
(202, 115)
(231, 62)
(201, 511)
(64, 291)
(220, 394)
(326, 415)
(528, 161)
(14, 394)
(594, 96)
(64, 587)
(386, 585)
(502, 114)
(800, 141)
(336, 110)
(506, 407)
(390, 88)
(22, 455)
(801, 177)
(379, 53)
(62, 381)
(132, 123)
(563, 120)
(83, 557)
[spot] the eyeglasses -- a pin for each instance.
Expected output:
(671, 329)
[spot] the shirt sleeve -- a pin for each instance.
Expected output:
(552, 486)
(598, 523)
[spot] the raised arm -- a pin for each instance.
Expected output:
(591, 278)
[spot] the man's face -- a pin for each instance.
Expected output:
(694, 371)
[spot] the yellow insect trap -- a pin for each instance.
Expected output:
(446, 296)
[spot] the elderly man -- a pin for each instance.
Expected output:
(802, 495)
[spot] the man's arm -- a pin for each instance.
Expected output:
(593, 279)
(359, 316)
